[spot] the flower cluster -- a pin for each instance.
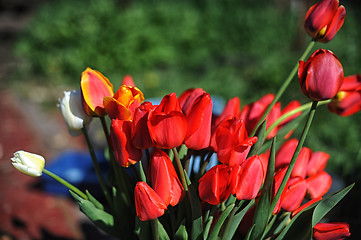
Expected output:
(160, 153)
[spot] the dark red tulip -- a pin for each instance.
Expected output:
(232, 142)
(324, 19)
(120, 139)
(348, 99)
(331, 231)
(247, 178)
(148, 204)
(321, 76)
(318, 184)
(140, 135)
(213, 186)
(198, 110)
(167, 124)
(164, 178)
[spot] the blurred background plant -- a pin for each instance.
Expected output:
(228, 48)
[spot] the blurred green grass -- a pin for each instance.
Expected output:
(229, 48)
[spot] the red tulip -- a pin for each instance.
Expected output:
(232, 109)
(331, 231)
(188, 97)
(277, 180)
(167, 124)
(214, 187)
(94, 87)
(321, 76)
(120, 139)
(164, 178)
(289, 107)
(317, 163)
(324, 19)
(232, 142)
(300, 167)
(124, 102)
(285, 153)
(318, 184)
(247, 178)
(294, 194)
(252, 113)
(199, 120)
(140, 136)
(148, 204)
(128, 81)
(348, 99)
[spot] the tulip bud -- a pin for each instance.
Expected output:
(94, 87)
(329, 231)
(321, 76)
(148, 204)
(324, 19)
(71, 109)
(28, 163)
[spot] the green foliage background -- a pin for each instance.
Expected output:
(229, 48)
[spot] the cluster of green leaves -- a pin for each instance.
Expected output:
(229, 48)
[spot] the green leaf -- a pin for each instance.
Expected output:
(237, 220)
(221, 219)
(301, 225)
(100, 218)
(196, 213)
(96, 203)
(181, 233)
(261, 136)
(163, 235)
(328, 203)
(263, 210)
(249, 233)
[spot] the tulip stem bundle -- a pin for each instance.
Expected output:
(65, 183)
(180, 169)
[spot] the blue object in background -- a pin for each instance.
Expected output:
(76, 167)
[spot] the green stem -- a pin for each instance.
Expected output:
(294, 111)
(295, 155)
(154, 224)
(180, 168)
(283, 87)
(66, 184)
(96, 167)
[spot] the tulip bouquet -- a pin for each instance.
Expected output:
(162, 183)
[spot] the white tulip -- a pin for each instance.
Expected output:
(71, 109)
(29, 163)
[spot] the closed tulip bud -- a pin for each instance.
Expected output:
(214, 187)
(324, 19)
(28, 163)
(148, 204)
(321, 76)
(331, 231)
(164, 178)
(71, 109)
(348, 99)
(167, 124)
(94, 87)
(140, 134)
